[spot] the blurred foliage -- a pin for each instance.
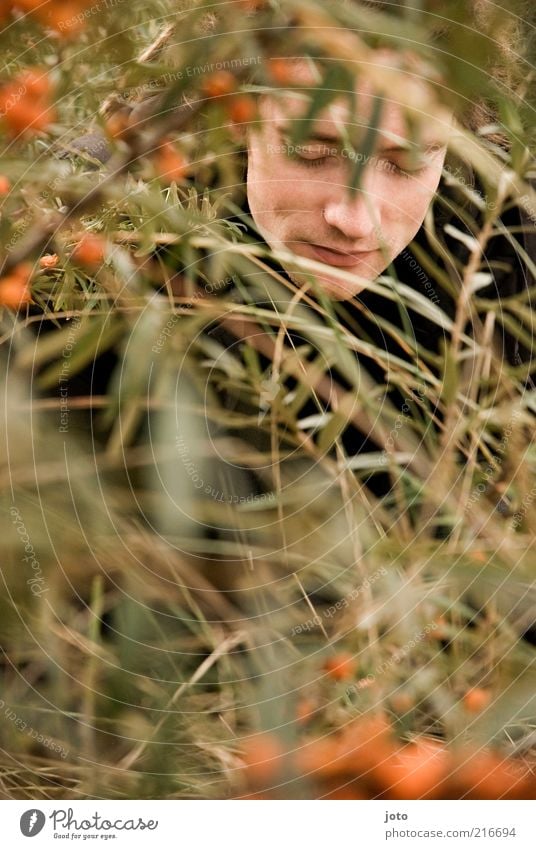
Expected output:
(206, 556)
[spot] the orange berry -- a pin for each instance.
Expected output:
(5, 185)
(29, 5)
(367, 742)
(36, 82)
(415, 771)
(340, 667)
(262, 757)
(242, 109)
(23, 271)
(26, 114)
(487, 776)
(25, 102)
(15, 287)
(48, 261)
(476, 699)
(13, 292)
(219, 84)
(319, 756)
(348, 792)
(361, 746)
(170, 164)
(63, 17)
(117, 125)
(282, 70)
(402, 702)
(90, 250)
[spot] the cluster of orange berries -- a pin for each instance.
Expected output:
(365, 761)
(26, 102)
(15, 288)
(343, 667)
(241, 108)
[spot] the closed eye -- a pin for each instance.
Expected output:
(314, 163)
(405, 172)
(423, 160)
(312, 155)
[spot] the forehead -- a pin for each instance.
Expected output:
(284, 107)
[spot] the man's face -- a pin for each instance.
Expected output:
(301, 203)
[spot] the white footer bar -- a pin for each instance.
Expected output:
(269, 824)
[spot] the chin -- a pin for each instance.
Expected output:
(333, 287)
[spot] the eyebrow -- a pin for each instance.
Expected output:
(313, 137)
(333, 139)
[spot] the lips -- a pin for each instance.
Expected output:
(337, 258)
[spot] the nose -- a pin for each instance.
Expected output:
(357, 218)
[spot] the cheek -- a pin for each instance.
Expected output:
(281, 198)
(405, 210)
